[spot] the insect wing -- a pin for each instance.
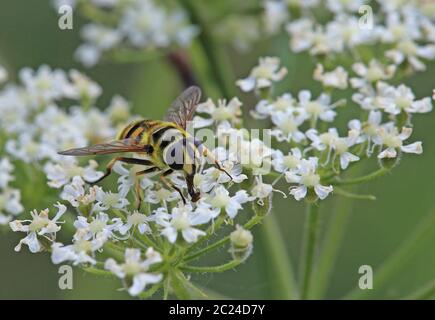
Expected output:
(182, 109)
(126, 145)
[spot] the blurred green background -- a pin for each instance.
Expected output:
(29, 36)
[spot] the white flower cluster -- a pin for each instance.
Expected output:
(141, 24)
(141, 230)
(37, 125)
(316, 152)
(10, 198)
(402, 31)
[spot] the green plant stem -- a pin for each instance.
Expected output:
(98, 272)
(179, 285)
(329, 251)
(424, 293)
(150, 292)
(369, 177)
(309, 247)
(277, 254)
(397, 260)
(221, 268)
(333, 240)
(201, 293)
(210, 231)
(248, 225)
(356, 196)
(220, 68)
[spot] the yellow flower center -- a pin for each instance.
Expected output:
(310, 180)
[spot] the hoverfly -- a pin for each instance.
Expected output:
(165, 145)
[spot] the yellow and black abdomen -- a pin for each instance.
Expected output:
(169, 145)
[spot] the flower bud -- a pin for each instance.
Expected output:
(241, 243)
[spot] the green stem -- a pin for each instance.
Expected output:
(332, 244)
(178, 285)
(332, 241)
(309, 247)
(248, 225)
(150, 292)
(210, 232)
(98, 272)
(397, 260)
(114, 251)
(220, 68)
(369, 177)
(221, 268)
(351, 195)
(201, 293)
(277, 254)
(424, 293)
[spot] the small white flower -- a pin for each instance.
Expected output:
(161, 195)
(127, 179)
(287, 126)
(223, 111)
(321, 108)
(119, 109)
(102, 37)
(410, 51)
(367, 130)
(211, 177)
(256, 155)
(388, 136)
(107, 200)
(82, 87)
(88, 55)
(182, 220)
(135, 220)
(40, 226)
(263, 75)
(76, 195)
(284, 103)
(289, 162)
(136, 270)
(6, 169)
(148, 25)
(62, 172)
(10, 205)
(3, 74)
(373, 72)
(331, 141)
(241, 30)
(307, 178)
(305, 35)
(378, 99)
(43, 85)
(263, 190)
(220, 198)
(28, 149)
(403, 98)
(275, 15)
(81, 251)
(100, 226)
(336, 78)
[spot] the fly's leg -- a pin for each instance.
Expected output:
(209, 155)
(166, 181)
(190, 187)
(122, 159)
(137, 189)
